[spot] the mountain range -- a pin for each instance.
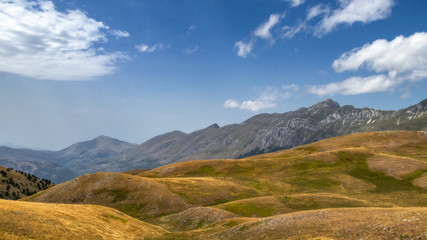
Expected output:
(262, 133)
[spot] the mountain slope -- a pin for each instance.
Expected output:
(267, 133)
(17, 184)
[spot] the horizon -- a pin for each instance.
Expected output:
(132, 70)
(11, 145)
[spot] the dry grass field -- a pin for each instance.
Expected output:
(375, 181)
(25, 220)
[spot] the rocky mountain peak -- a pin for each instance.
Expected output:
(328, 103)
(213, 126)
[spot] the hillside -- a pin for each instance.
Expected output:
(380, 174)
(24, 220)
(16, 184)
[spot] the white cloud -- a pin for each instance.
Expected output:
(355, 85)
(295, 3)
(191, 50)
(147, 49)
(244, 49)
(316, 11)
(263, 31)
(352, 11)
(38, 41)
(268, 98)
(400, 60)
(291, 31)
(399, 55)
(119, 33)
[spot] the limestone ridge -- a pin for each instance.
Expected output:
(259, 134)
(270, 132)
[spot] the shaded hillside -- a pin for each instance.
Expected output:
(212, 199)
(24, 220)
(17, 184)
(267, 133)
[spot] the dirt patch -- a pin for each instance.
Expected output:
(395, 166)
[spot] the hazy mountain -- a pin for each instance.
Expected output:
(260, 134)
(66, 164)
(85, 157)
(266, 133)
(35, 162)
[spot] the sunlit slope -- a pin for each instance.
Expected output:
(25, 220)
(343, 223)
(382, 169)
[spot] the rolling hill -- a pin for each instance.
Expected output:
(369, 185)
(24, 220)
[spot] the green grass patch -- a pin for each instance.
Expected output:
(230, 223)
(119, 194)
(384, 183)
(111, 216)
(307, 149)
(132, 209)
(204, 171)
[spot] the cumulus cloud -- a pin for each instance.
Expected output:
(38, 41)
(401, 60)
(352, 11)
(144, 48)
(244, 48)
(263, 31)
(355, 85)
(119, 33)
(295, 3)
(268, 98)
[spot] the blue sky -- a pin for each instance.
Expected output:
(134, 69)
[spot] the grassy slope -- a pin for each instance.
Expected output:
(362, 170)
(24, 220)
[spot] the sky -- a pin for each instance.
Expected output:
(71, 70)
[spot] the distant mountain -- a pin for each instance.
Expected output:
(88, 156)
(267, 133)
(66, 164)
(35, 162)
(260, 134)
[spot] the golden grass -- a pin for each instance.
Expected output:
(343, 223)
(199, 199)
(25, 220)
(133, 195)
